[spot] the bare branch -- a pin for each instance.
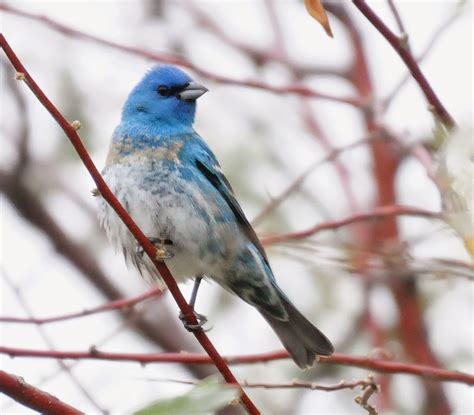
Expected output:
(376, 214)
(378, 365)
(363, 400)
(113, 305)
(385, 103)
(34, 398)
(295, 384)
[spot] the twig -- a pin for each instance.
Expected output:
(113, 305)
(385, 103)
(376, 214)
(396, 15)
(148, 247)
(363, 400)
(377, 365)
(410, 62)
(295, 384)
(34, 398)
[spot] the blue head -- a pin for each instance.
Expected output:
(164, 101)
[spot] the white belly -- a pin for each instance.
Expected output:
(170, 208)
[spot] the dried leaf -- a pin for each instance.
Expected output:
(316, 10)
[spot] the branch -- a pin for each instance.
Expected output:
(363, 400)
(113, 305)
(377, 365)
(378, 213)
(295, 384)
(397, 17)
(409, 60)
(175, 60)
(36, 399)
(148, 247)
(442, 28)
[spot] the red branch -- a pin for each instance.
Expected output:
(378, 365)
(147, 246)
(378, 213)
(113, 305)
(175, 60)
(409, 60)
(34, 398)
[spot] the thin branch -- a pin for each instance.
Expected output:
(295, 384)
(175, 60)
(378, 213)
(34, 398)
(113, 305)
(385, 103)
(410, 62)
(148, 247)
(397, 17)
(363, 400)
(377, 365)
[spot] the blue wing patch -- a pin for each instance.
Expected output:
(222, 185)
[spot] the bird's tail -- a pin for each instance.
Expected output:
(301, 339)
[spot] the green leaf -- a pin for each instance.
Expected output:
(206, 397)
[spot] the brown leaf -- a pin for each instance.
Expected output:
(316, 10)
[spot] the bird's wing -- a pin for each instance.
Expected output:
(207, 164)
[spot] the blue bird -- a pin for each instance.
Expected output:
(171, 184)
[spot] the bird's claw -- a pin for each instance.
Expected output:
(162, 252)
(202, 319)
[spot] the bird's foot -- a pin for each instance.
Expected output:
(162, 252)
(201, 318)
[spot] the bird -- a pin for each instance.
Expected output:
(171, 184)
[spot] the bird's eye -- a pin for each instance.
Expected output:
(164, 91)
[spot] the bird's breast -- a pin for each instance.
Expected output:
(165, 203)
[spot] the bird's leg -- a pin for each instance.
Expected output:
(202, 319)
(162, 252)
(197, 283)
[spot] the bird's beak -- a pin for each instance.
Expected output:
(192, 92)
